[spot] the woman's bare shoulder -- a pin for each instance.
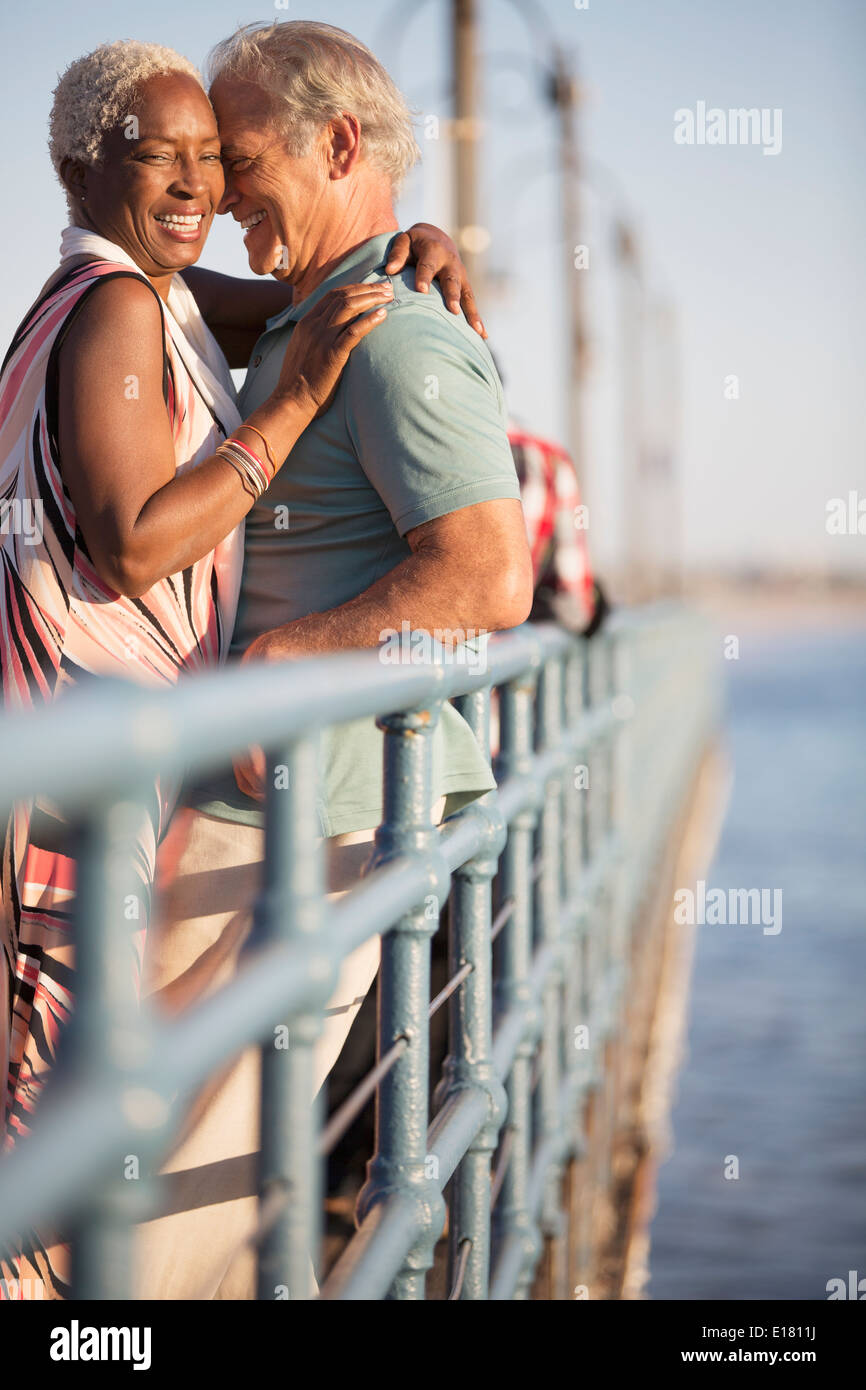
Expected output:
(123, 306)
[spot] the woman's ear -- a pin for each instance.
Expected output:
(73, 176)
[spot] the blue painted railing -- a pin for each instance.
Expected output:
(598, 745)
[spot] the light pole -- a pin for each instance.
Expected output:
(472, 238)
(564, 95)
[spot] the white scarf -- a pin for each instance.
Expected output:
(205, 362)
(209, 370)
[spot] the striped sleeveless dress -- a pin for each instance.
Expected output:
(59, 624)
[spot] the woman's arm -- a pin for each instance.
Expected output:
(140, 521)
(436, 257)
(235, 309)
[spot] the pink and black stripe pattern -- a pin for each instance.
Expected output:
(59, 623)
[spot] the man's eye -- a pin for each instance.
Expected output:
(238, 166)
(158, 158)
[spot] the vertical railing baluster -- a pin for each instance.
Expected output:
(584, 1176)
(612, 956)
(548, 934)
(570, 859)
(107, 1035)
(577, 792)
(574, 1020)
(596, 923)
(402, 1101)
(513, 1218)
(601, 960)
(621, 810)
(592, 932)
(290, 909)
(469, 1062)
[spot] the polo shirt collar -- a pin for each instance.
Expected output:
(353, 268)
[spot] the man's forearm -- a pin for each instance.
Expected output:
(469, 572)
(423, 591)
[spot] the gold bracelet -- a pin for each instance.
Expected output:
(270, 456)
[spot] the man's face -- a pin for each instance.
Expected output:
(279, 198)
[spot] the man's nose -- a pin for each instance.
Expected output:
(229, 199)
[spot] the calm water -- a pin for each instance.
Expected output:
(776, 1066)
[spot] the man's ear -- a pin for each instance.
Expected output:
(344, 145)
(73, 176)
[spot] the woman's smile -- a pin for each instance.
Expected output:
(181, 226)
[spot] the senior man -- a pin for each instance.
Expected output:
(400, 505)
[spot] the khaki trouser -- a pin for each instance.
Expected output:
(209, 873)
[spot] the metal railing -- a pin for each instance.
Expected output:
(547, 877)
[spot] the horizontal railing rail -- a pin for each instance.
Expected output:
(597, 745)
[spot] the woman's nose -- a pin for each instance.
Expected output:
(192, 180)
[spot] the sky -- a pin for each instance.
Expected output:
(755, 260)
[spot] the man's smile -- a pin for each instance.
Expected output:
(250, 222)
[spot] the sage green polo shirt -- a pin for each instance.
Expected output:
(416, 429)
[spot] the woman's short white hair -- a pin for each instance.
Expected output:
(315, 73)
(97, 92)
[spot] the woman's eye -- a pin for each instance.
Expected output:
(158, 158)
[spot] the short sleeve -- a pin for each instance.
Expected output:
(426, 417)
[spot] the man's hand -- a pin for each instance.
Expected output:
(250, 768)
(469, 570)
(250, 772)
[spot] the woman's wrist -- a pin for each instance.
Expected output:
(257, 438)
(291, 402)
(274, 429)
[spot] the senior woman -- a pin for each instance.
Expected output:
(120, 427)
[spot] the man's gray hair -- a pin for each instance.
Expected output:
(96, 93)
(315, 73)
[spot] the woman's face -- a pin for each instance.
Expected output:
(160, 180)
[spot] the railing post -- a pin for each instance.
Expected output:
(597, 828)
(594, 965)
(402, 1101)
(548, 913)
(291, 908)
(574, 792)
(600, 965)
(588, 1055)
(469, 1063)
(615, 958)
(576, 1037)
(107, 1035)
(513, 1220)
(619, 740)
